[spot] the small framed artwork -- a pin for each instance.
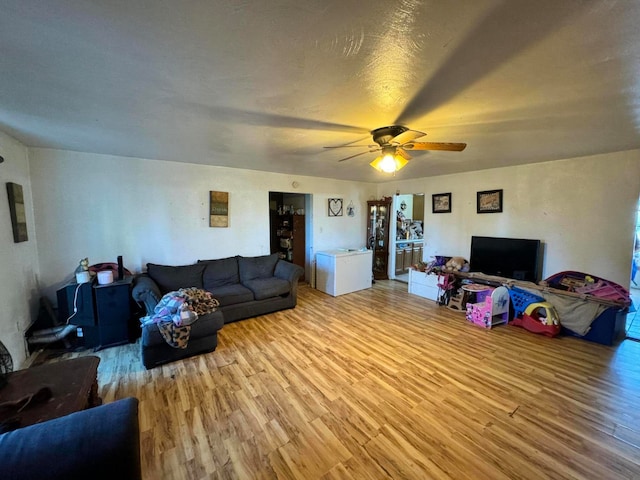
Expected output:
(218, 209)
(335, 207)
(490, 201)
(17, 212)
(351, 209)
(441, 203)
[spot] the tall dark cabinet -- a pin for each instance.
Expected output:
(378, 235)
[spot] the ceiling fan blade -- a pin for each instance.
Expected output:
(407, 136)
(353, 146)
(451, 147)
(356, 155)
(403, 154)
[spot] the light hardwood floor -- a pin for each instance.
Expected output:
(382, 384)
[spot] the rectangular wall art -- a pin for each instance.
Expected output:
(441, 203)
(490, 201)
(218, 209)
(17, 211)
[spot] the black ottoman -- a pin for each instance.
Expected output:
(203, 338)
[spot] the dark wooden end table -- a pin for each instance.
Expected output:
(73, 384)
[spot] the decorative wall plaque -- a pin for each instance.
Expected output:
(335, 207)
(218, 209)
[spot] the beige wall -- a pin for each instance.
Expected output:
(19, 291)
(103, 206)
(583, 209)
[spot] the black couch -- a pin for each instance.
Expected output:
(245, 287)
(99, 443)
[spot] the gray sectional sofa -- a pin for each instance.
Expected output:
(245, 287)
(98, 443)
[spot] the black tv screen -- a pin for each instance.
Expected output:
(516, 258)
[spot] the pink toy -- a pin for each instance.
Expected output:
(493, 311)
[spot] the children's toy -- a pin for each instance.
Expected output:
(589, 285)
(539, 317)
(544, 312)
(494, 310)
(535, 326)
(446, 284)
(456, 264)
(521, 299)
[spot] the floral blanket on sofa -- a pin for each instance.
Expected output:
(177, 311)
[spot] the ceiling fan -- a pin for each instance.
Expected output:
(394, 142)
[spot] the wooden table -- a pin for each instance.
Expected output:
(73, 384)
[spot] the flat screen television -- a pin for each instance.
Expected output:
(516, 258)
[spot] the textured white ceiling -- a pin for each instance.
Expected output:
(265, 85)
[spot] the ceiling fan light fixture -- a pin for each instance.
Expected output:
(395, 142)
(389, 163)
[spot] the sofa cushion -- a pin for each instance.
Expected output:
(232, 294)
(257, 267)
(223, 271)
(173, 278)
(268, 287)
(100, 442)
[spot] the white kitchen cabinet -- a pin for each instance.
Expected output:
(342, 271)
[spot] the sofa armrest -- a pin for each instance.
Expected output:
(145, 291)
(290, 272)
(101, 442)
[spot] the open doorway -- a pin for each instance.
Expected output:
(633, 317)
(290, 228)
(406, 234)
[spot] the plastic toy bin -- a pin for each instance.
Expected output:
(521, 299)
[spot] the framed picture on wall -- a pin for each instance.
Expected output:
(335, 207)
(441, 203)
(490, 201)
(17, 212)
(218, 209)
